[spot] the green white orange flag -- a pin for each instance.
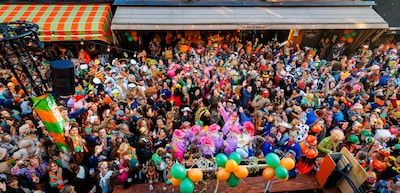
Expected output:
(46, 107)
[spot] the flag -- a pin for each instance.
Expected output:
(46, 108)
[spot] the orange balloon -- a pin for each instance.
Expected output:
(184, 48)
(288, 163)
(231, 166)
(133, 33)
(342, 38)
(268, 173)
(175, 182)
(242, 172)
(350, 40)
(222, 174)
(196, 175)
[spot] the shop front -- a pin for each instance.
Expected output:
(255, 19)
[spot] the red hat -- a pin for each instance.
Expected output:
(263, 67)
(265, 93)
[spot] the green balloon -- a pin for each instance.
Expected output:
(233, 181)
(221, 159)
(129, 38)
(353, 34)
(126, 34)
(156, 158)
(186, 186)
(347, 36)
(178, 171)
(281, 172)
(272, 160)
(236, 156)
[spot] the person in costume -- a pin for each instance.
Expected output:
(75, 142)
(232, 139)
(307, 163)
(231, 120)
(331, 143)
(105, 177)
(34, 173)
(57, 178)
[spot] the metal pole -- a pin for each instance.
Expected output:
(268, 186)
(260, 166)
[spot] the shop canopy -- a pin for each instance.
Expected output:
(245, 18)
(63, 22)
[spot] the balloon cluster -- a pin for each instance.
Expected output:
(229, 169)
(348, 36)
(277, 167)
(185, 179)
(131, 36)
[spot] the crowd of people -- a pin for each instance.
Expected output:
(132, 117)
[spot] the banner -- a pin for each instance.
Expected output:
(46, 108)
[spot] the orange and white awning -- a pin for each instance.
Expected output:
(63, 22)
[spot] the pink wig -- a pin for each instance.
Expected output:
(178, 134)
(195, 129)
(249, 126)
(207, 141)
(171, 73)
(214, 128)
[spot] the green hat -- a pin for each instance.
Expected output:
(369, 140)
(323, 62)
(108, 67)
(366, 133)
(353, 139)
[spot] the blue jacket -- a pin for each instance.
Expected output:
(246, 97)
(338, 116)
(267, 148)
(295, 147)
(267, 128)
(311, 118)
(244, 118)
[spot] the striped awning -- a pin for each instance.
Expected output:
(63, 22)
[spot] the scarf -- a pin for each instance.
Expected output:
(76, 144)
(55, 178)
